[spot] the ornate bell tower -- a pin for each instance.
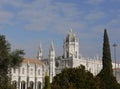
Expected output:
(71, 46)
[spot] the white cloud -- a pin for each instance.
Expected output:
(5, 16)
(57, 17)
(42, 15)
(95, 2)
(112, 26)
(94, 15)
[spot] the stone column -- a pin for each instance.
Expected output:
(25, 85)
(20, 85)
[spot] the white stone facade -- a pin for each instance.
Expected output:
(32, 72)
(29, 74)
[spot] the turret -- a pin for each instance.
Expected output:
(51, 52)
(71, 46)
(51, 62)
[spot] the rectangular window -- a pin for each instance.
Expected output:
(31, 71)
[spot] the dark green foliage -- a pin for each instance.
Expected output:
(16, 58)
(78, 78)
(107, 80)
(75, 78)
(8, 60)
(47, 83)
(107, 62)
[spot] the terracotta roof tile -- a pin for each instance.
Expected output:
(116, 68)
(32, 61)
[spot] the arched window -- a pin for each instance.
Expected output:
(39, 72)
(23, 85)
(39, 85)
(31, 84)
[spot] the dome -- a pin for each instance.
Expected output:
(71, 37)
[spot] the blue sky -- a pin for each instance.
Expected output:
(26, 23)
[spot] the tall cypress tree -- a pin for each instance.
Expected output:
(107, 80)
(106, 59)
(47, 82)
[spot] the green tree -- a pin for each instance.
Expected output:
(47, 82)
(75, 78)
(8, 60)
(107, 62)
(107, 79)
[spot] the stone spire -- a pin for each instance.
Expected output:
(51, 51)
(51, 62)
(40, 54)
(52, 46)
